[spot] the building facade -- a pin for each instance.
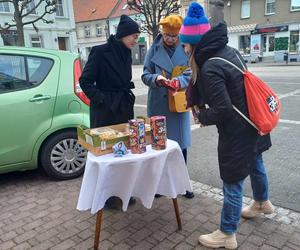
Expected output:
(264, 29)
(58, 35)
(94, 25)
(186, 3)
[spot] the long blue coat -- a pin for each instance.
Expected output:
(157, 60)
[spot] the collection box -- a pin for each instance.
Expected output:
(100, 141)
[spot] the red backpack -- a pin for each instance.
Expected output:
(263, 104)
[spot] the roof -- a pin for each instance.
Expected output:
(89, 10)
(241, 28)
(122, 9)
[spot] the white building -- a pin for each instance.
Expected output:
(58, 35)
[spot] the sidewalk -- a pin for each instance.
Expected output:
(37, 213)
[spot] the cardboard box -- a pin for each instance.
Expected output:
(99, 141)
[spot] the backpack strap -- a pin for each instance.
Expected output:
(232, 64)
(234, 107)
(245, 117)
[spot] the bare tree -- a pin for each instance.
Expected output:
(22, 9)
(216, 12)
(152, 11)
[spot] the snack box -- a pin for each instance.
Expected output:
(100, 141)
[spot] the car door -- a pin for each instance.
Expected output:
(28, 87)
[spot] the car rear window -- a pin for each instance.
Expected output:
(22, 72)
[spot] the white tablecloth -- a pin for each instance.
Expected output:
(139, 175)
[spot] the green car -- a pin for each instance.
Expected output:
(41, 104)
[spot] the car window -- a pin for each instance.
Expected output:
(38, 69)
(22, 72)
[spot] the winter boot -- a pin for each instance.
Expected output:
(218, 239)
(257, 208)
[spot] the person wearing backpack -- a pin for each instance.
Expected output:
(220, 86)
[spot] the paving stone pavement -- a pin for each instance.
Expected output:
(38, 213)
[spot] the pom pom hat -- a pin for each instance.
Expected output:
(195, 25)
(171, 24)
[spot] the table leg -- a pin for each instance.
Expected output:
(177, 213)
(98, 229)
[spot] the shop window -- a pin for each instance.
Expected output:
(294, 41)
(244, 44)
(295, 5)
(264, 43)
(4, 7)
(271, 43)
(245, 9)
(270, 7)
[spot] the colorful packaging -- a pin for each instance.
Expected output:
(158, 132)
(137, 137)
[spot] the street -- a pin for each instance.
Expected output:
(282, 160)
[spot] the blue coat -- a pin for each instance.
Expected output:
(157, 60)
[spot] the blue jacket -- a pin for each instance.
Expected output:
(157, 60)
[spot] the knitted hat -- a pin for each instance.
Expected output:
(126, 27)
(171, 24)
(195, 25)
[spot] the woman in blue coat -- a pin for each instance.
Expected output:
(166, 53)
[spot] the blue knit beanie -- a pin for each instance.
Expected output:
(195, 25)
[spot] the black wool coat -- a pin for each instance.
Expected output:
(106, 81)
(220, 85)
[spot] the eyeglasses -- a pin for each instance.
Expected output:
(170, 36)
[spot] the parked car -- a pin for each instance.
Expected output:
(252, 58)
(41, 104)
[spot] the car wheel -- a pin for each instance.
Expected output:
(62, 157)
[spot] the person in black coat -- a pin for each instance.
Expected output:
(219, 86)
(106, 81)
(106, 78)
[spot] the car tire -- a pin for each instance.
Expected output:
(62, 157)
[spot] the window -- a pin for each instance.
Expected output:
(294, 41)
(295, 5)
(38, 69)
(4, 7)
(98, 30)
(271, 43)
(31, 7)
(19, 72)
(244, 44)
(245, 9)
(270, 7)
(36, 42)
(10, 38)
(87, 32)
(59, 8)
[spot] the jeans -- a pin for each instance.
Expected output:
(233, 196)
(259, 181)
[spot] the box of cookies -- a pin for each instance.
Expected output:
(100, 141)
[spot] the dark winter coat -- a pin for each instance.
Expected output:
(106, 80)
(220, 85)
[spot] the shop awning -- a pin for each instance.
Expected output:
(241, 28)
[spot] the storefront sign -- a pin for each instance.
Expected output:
(270, 29)
(255, 44)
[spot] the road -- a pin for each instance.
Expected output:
(282, 160)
